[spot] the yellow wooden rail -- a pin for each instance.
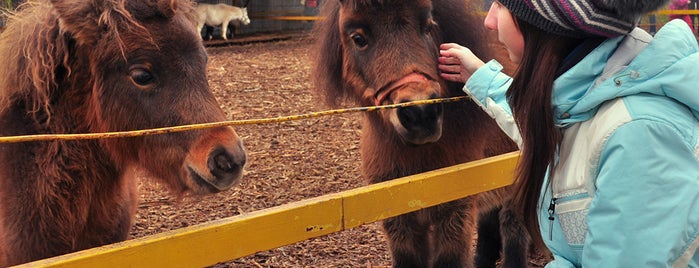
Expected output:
(300, 18)
(675, 12)
(242, 235)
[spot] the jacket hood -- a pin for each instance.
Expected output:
(667, 66)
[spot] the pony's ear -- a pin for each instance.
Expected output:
(327, 59)
(79, 18)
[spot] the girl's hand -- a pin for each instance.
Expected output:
(457, 63)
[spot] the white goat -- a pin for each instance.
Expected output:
(220, 14)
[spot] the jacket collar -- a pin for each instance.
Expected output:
(660, 66)
(573, 85)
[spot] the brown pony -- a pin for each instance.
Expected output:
(375, 52)
(79, 66)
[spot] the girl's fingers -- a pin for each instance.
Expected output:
(452, 77)
(448, 60)
(446, 46)
(450, 68)
(450, 53)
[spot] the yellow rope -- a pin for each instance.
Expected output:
(164, 130)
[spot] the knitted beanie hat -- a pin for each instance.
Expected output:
(583, 18)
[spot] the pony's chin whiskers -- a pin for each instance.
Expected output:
(207, 182)
(199, 183)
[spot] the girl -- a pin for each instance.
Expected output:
(606, 119)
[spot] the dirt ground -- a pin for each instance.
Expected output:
(287, 162)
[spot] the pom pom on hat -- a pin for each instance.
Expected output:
(581, 18)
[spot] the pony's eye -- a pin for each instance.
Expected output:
(141, 77)
(359, 40)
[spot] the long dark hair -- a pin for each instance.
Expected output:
(530, 98)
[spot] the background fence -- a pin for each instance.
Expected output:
(273, 15)
(654, 21)
(268, 16)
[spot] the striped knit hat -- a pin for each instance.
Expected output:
(583, 18)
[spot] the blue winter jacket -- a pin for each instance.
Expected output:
(625, 191)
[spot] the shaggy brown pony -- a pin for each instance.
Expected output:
(79, 66)
(374, 52)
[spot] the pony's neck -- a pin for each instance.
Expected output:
(66, 113)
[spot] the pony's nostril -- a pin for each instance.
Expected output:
(423, 114)
(409, 114)
(421, 121)
(222, 164)
(435, 110)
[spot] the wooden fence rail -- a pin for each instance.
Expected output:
(242, 235)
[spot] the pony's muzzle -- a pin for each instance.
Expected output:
(420, 124)
(216, 161)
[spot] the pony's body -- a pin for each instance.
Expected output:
(385, 51)
(82, 66)
(220, 14)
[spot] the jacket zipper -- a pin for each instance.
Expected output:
(551, 210)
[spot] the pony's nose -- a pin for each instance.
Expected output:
(421, 118)
(226, 165)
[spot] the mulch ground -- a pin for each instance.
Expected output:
(287, 162)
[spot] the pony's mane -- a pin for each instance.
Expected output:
(39, 37)
(30, 53)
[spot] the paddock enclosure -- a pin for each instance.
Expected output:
(288, 161)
